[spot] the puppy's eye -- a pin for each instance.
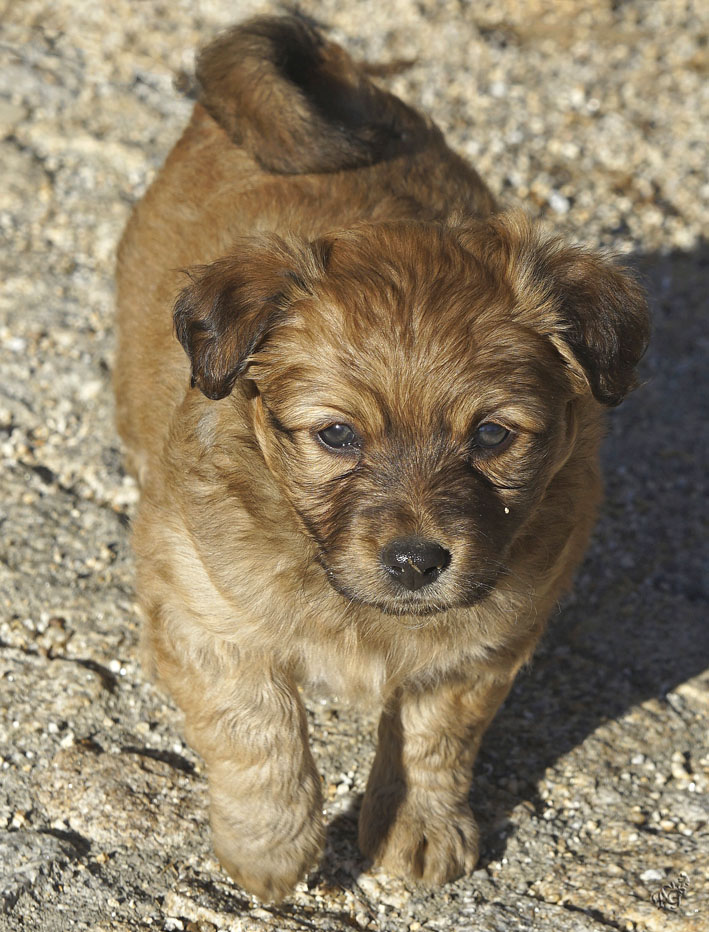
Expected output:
(490, 435)
(339, 436)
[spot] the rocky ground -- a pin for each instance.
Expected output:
(592, 788)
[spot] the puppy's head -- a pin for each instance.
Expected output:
(414, 388)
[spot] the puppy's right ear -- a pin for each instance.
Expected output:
(231, 305)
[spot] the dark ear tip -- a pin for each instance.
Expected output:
(613, 399)
(215, 394)
(215, 391)
(213, 383)
(612, 387)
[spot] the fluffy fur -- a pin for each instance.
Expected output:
(345, 267)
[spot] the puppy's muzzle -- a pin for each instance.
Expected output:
(414, 563)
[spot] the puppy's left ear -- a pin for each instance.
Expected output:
(593, 311)
(604, 325)
(231, 305)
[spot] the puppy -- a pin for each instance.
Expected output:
(365, 419)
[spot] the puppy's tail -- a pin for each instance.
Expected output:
(298, 103)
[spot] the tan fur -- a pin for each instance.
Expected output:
(346, 267)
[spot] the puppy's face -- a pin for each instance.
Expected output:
(410, 420)
(413, 408)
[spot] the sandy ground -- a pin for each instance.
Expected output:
(591, 789)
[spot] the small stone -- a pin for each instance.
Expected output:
(558, 203)
(370, 886)
(678, 767)
(397, 899)
(652, 876)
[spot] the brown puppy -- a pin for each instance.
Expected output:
(376, 463)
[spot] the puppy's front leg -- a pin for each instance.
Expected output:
(266, 802)
(415, 820)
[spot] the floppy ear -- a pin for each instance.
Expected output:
(605, 321)
(594, 312)
(227, 311)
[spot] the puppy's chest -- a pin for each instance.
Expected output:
(366, 671)
(337, 669)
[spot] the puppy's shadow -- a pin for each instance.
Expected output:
(343, 862)
(635, 626)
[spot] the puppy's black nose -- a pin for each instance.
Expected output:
(414, 563)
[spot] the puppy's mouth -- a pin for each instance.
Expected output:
(407, 603)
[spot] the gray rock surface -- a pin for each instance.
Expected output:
(592, 787)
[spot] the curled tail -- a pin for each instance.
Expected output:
(299, 103)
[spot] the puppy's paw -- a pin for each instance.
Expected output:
(267, 841)
(418, 841)
(269, 869)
